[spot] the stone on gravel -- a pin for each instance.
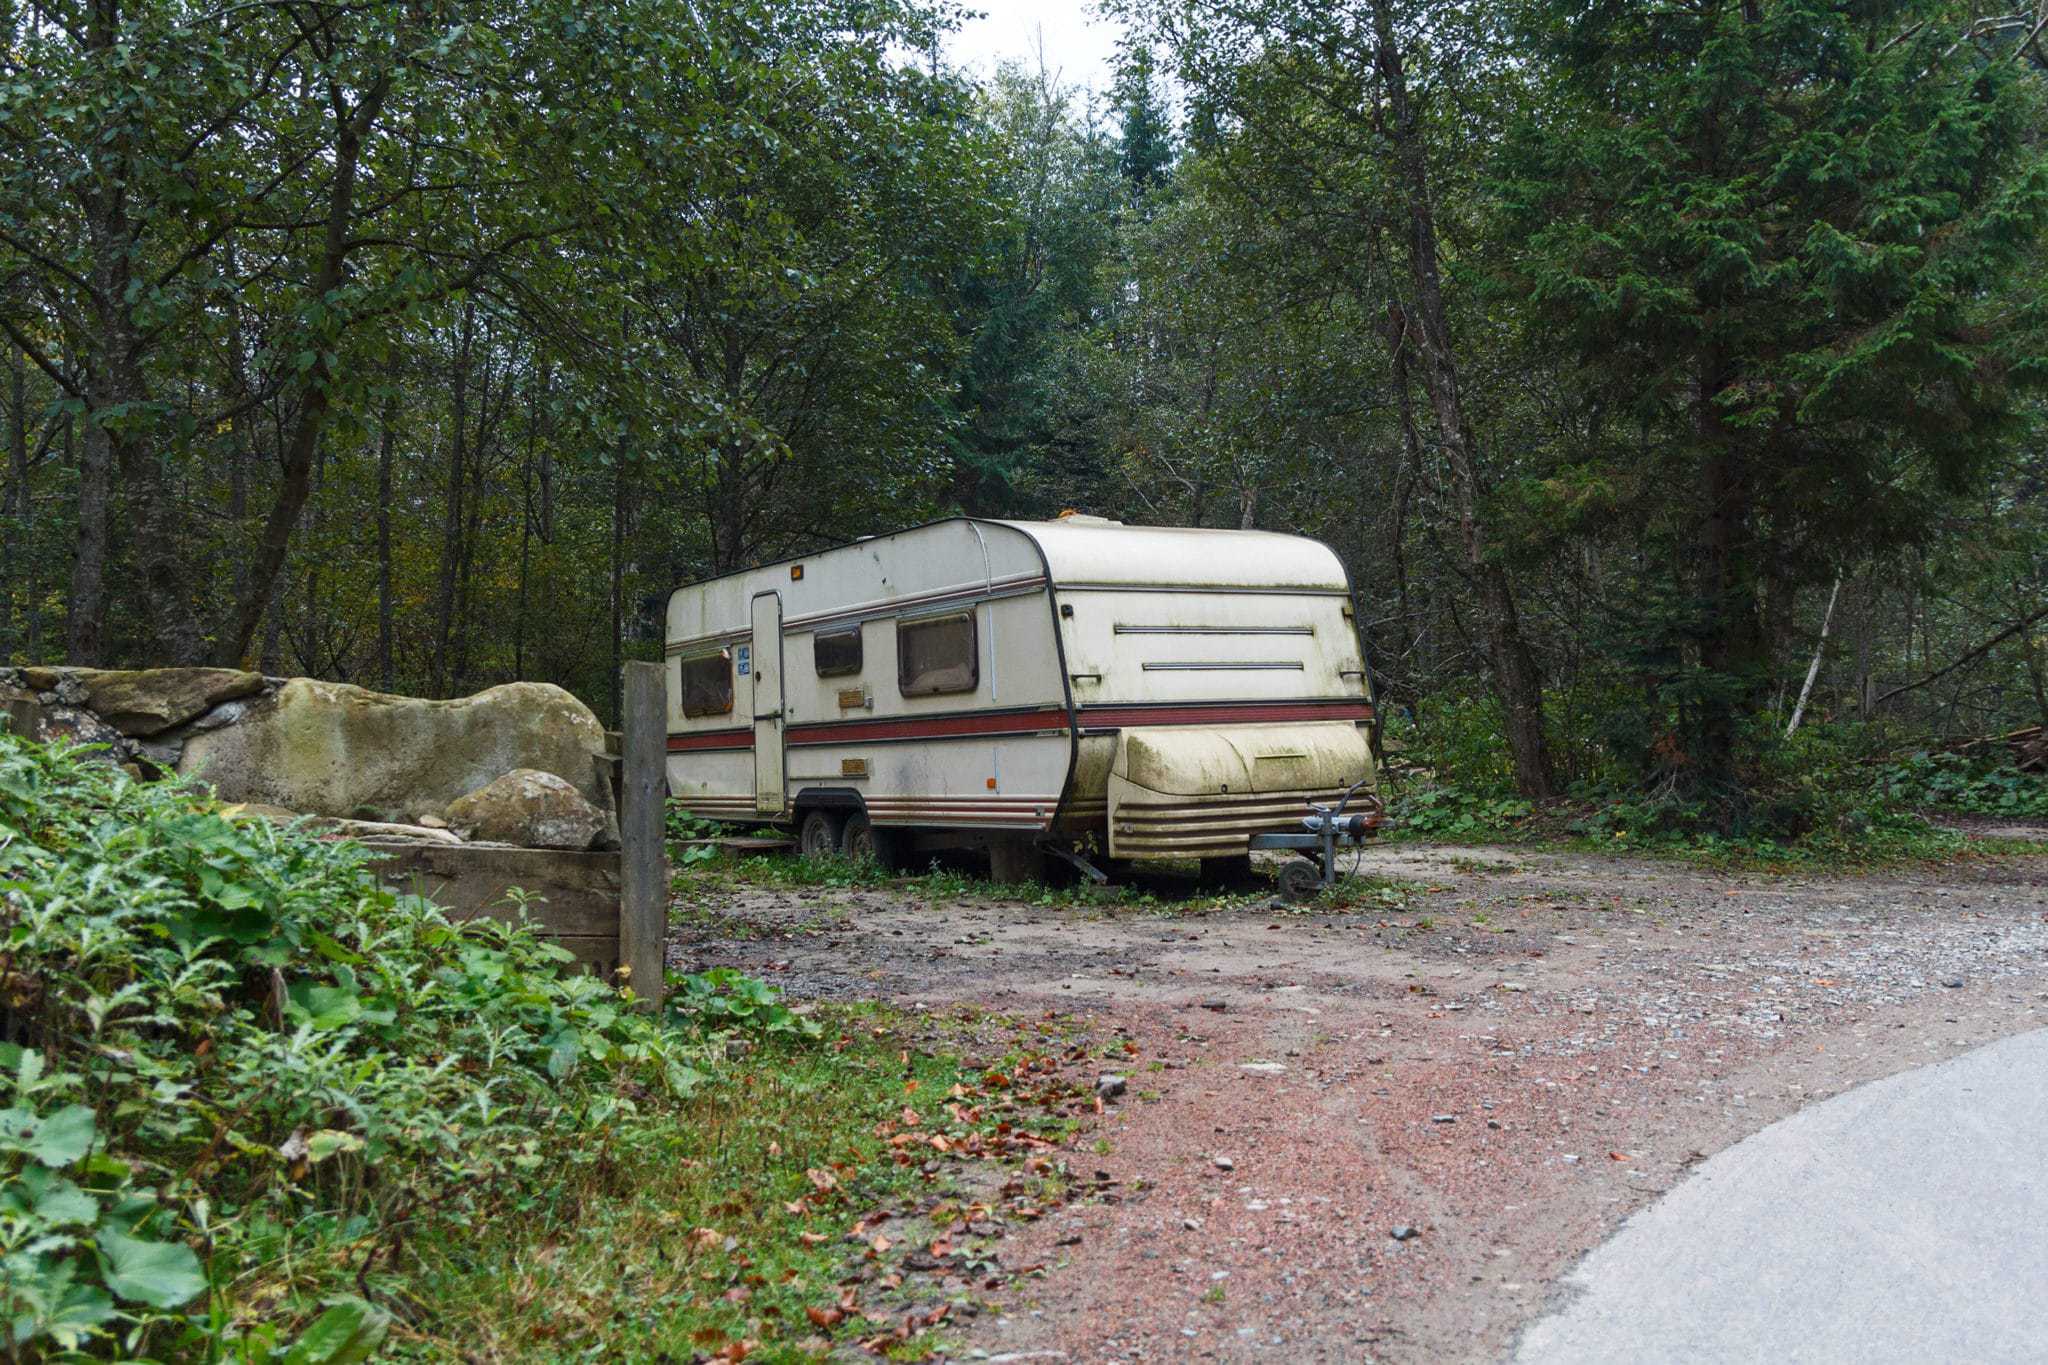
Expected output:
(1403, 1233)
(1224, 1163)
(1109, 1086)
(530, 808)
(331, 749)
(148, 701)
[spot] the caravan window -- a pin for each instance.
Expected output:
(936, 654)
(707, 684)
(837, 652)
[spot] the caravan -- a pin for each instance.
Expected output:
(1077, 687)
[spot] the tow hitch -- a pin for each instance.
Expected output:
(1325, 830)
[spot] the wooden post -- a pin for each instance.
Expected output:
(643, 794)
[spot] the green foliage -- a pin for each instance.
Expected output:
(1454, 741)
(1446, 812)
(723, 1000)
(1977, 786)
(242, 1073)
(1791, 249)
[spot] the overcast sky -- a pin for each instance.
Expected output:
(1079, 47)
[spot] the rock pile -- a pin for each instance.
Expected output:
(523, 763)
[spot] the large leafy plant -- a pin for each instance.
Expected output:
(239, 1073)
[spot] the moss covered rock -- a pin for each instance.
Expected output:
(148, 701)
(331, 749)
(530, 808)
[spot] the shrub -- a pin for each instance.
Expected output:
(240, 1074)
(1979, 786)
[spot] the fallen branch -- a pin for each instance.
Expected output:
(1969, 657)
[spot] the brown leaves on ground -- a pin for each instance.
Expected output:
(1009, 1114)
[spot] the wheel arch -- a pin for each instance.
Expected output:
(845, 800)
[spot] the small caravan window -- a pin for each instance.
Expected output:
(707, 685)
(837, 651)
(936, 654)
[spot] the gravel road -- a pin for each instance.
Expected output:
(1526, 1050)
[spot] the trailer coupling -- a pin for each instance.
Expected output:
(1325, 829)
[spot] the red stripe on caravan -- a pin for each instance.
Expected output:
(974, 724)
(1224, 713)
(711, 739)
(932, 727)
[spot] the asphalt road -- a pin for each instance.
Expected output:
(1903, 1221)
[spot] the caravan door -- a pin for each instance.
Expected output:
(766, 663)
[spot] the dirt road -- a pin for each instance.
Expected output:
(1506, 1060)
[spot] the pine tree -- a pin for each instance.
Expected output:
(1781, 238)
(1146, 142)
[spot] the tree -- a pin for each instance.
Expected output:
(1337, 140)
(1780, 240)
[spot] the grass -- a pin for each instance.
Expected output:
(1169, 889)
(1162, 889)
(1889, 838)
(742, 1231)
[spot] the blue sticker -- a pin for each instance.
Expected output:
(744, 657)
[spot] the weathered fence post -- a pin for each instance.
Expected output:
(643, 795)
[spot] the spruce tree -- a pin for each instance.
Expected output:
(1785, 241)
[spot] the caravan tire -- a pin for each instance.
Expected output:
(818, 834)
(860, 839)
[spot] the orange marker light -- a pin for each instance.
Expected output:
(796, 572)
(991, 784)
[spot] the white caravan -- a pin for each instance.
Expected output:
(1079, 687)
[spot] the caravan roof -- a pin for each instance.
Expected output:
(1089, 550)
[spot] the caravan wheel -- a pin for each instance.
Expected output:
(1300, 880)
(818, 835)
(861, 839)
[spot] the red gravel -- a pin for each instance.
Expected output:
(1529, 1051)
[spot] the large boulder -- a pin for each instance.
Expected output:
(529, 808)
(149, 701)
(331, 749)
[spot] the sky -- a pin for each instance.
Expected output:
(1079, 47)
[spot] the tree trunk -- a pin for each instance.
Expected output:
(452, 521)
(1730, 634)
(1517, 679)
(85, 606)
(19, 543)
(1820, 647)
(267, 562)
(618, 581)
(386, 422)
